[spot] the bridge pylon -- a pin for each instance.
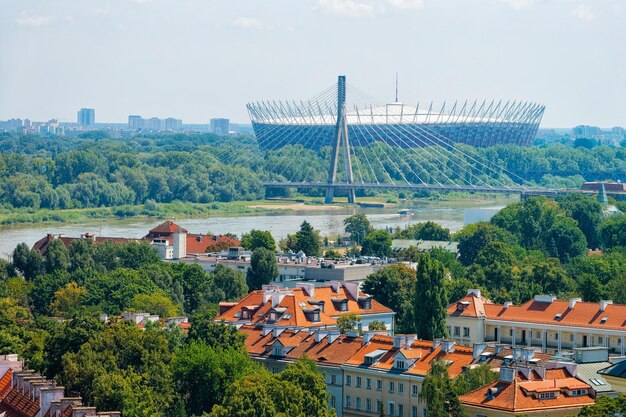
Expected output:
(341, 140)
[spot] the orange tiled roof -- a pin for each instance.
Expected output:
(20, 404)
(295, 303)
(167, 227)
(521, 395)
(5, 383)
(42, 244)
(583, 314)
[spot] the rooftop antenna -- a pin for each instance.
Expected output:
(396, 86)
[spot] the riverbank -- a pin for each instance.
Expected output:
(178, 210)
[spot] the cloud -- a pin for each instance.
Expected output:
(250, 23)
(407, 4)
(350, 8)
(583, 12)
(520, 4)
(28, 18)
(106, 9)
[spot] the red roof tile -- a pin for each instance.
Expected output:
(5, 383)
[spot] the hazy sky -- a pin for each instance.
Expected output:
(198, 59)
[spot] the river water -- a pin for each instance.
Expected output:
(329, 222)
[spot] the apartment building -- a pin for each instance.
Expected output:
(553, 326)
(364, 373)
(307, 306)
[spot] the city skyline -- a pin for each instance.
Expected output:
(202, 60)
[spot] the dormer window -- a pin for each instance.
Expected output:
(278, 351)
(578, 392)
(245, 314)
(557, 316)
(343, 306)
(238, 315)
(400, 364)
(547, 395)
(603, 320)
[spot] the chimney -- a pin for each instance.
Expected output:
(180, 245)
(436, 343)
(277, 298)
(309, 289)
(508, 304)
(447, 346)
(544, 298)
(507, 374)
(478, 349)
(277, 331)
(573, 301)
(398, 341)
(499, 348)
(50, 394)
(474, 291)
(335, 285)
(528, 354)
(604, 304)
(332, 336)
(266, 330)
(83, 411)
(352, 333)
(517, 354)
(367, 336)
(267, 295)
(320, 335)
(408, 340)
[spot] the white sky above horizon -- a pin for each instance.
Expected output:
(199, 59)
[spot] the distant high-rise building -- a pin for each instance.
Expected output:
(87, 117)
(135, 122)
(173, 124)
(220, 126)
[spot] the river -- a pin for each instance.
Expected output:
(329, 222)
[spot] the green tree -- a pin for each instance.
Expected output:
(203, 373)
(228, 284)
(606, 407)
(28, 262)
(155, 303)
(394, 287)
(376, 325)
(473, 378)
(258, 239)
(423, 231)
(332, 254)
(263, 269)
(613, 231)
(308, 240)
(205, 329)
(348, 322)
(587, 211)
(68, 300)
(590, 288)
(438, 393)
(472, 238)
(377, 243)
(57, 257)
(358, 226)
(430, 299)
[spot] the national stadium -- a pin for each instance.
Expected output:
(312, 123)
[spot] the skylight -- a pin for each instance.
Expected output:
(603, 320)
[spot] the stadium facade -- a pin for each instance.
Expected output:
(312, 123)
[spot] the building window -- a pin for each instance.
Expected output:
(274, 370)
(368, 405)
(600, 340)
(556, 336)
(348, 379)
(537, 335)
(449, 329)
(511, 332)
(571, 337)
(546, 395)
(414, 390)
(400, 388)
(368, 383)
(400, 410)
(457, 331)
(391, 408)
(466, 332)
(347, 401)
(333, 379)
(357, 403)
(333, 402)
(414, 411)
(379, 385)
(578, 392)
(358, 382)
(379, 406)
(391, 386)
(399, 364)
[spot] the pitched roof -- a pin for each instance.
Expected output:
(522, 395)
(617, 370)
(538, 310)
(294, 305)
(5, 383)
(42, 244)
(167, 227)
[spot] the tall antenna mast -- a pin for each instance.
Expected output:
(396, 86)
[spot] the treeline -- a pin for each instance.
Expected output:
(95, 170)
